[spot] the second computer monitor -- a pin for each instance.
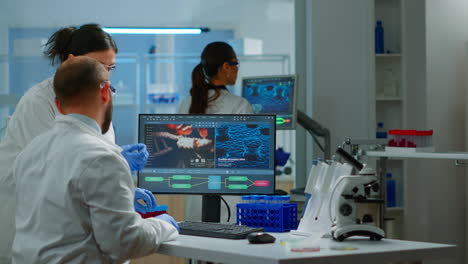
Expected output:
(273, 95)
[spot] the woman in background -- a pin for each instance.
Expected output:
(209, 95)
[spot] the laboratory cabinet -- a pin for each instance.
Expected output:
(388, 95)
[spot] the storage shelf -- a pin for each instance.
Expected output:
(419, 155)
(396, 209)
(394, 212)
(388, 99)
(389, 55)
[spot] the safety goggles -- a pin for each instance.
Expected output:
(109, 68)
(103, 84)
(234, 63)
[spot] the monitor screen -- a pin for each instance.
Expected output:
(273, 95)
(208, 154)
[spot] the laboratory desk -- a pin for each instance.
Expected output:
(353, 250)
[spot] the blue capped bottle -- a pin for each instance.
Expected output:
(380, 132)
(391, 191)
(379, 38)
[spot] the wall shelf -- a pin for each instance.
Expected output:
(395, 209)
(389, 99)
(419, 155)
(388, 55)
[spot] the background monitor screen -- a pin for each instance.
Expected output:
(208, 154)
(273, 95)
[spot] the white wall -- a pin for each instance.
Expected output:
(336, 92)
(444, 191)
(434, 189)
(341, 67)
(303, 47)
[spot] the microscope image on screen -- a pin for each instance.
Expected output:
(242, 146)
(180, 146)
(268, 97)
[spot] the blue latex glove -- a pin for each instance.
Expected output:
(136, 155)
(169, 219)
(281, 157)
(148, 198)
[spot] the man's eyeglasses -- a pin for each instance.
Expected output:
(109, 68)
(103, 84)
(234, 63)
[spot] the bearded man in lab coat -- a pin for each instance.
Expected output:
(74, 189)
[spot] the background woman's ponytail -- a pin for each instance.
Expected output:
(199, 91)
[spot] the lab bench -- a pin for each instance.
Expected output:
(352, 250)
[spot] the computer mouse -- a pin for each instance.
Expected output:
(260, 238)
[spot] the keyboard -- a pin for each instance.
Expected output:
(208, 229)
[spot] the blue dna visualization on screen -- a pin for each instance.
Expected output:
(273, 95)
(208, 154)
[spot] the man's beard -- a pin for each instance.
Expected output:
(107, 119)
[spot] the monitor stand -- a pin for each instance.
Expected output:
(211, 208)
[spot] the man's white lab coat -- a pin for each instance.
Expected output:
(34, 114)
(75, 196)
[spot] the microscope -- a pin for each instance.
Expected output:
(354, 189)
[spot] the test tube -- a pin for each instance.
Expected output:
(268, 199)
(261, 198)
(276, 199)
(284, 199)
(254, 199)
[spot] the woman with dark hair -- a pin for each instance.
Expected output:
(36, 112)
(209, 95)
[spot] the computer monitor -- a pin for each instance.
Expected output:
(273, 95)
(210, 155)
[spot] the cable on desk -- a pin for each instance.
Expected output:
(228, 208)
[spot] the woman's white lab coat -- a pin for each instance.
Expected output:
(226, 103)
(75, 201)
(34, 114)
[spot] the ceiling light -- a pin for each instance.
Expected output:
(125, 30)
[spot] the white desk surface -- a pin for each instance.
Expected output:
(240, 251)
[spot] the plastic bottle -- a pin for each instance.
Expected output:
(379, 38)
(391, 192)
(380, 131)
